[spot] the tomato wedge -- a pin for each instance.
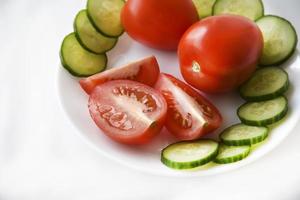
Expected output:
(189, 115)
(145, 71)
(127, 111)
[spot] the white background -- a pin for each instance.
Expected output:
(41, 157)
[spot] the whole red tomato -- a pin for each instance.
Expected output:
(219, 53)
(158, 23)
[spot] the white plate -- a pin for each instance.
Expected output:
(147, 158)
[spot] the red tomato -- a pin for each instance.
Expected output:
(158, 23)
(145, 71)
(219, 53)
(189, 115)
(127, 111)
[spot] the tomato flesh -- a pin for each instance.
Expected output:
(158, 23)
(127, 111)
(219, 53)
(189, 115)
(145, 71)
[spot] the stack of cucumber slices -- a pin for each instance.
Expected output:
(263, 92)
(96, 31)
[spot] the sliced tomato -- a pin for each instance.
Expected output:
(145, 71)
(127, 111)
(189, 115)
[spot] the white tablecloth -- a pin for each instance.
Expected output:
(42, 158)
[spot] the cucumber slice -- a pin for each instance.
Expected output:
(204, 7)
(89, 37)
(266, 83)
(78, 61)
(280, 40)
(252, 9)
(105, 16)
(241, 134)
(230, 154)
(189, 154)
(264, 112)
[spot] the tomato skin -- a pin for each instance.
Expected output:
(226, 48)
(158, 23)
(145, 71)
(119, 112)
(187, 104)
